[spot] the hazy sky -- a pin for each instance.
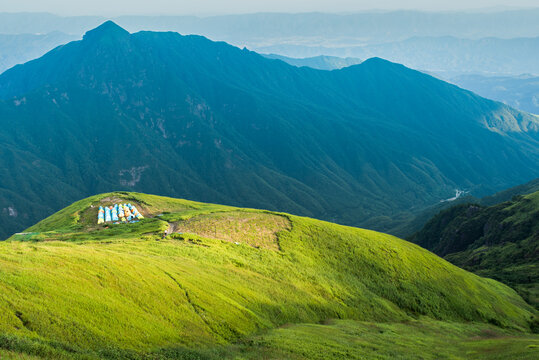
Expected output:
(172, 7)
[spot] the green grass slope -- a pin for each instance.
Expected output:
(335, 339)
(69, 286)
(423, 339)
(500, 241)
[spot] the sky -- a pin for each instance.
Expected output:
(216, 7)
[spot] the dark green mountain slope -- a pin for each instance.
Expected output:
(508, 194)
(184, 116)
(418, 221)
(500, 241)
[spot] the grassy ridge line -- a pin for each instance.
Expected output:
(135, 293)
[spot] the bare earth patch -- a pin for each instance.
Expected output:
(255, 229)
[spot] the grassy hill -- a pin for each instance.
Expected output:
(186, 117)
(226, 278)
(499, 241)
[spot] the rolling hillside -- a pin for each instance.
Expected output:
(187, 117)
(500, 241)
(224, 281)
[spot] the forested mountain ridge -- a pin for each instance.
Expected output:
(188, 117)
(500, 241)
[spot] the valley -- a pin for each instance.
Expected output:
(499, 241)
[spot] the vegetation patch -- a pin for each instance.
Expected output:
(423, 339)
(499, 242)
(336, 339)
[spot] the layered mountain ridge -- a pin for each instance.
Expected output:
(184, 116)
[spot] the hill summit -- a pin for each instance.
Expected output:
(220, 275)
(108, 30)
(369, 145)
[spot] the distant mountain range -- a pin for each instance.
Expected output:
(520, 92)
(447, 56)
(317, 62)
(445, 43)
(371, 26)
(20, 48)
(370, 144)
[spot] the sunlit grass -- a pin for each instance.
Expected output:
(125, 289)
(424, 339)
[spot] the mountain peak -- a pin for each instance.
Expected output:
(107, 30)
(378, 62)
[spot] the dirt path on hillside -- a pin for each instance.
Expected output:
(172, 228)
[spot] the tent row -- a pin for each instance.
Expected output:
(118, 213)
